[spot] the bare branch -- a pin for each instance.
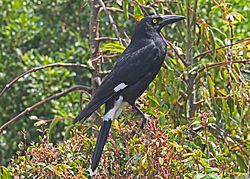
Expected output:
(144, 7)
(198, 103)
(94, 46)
(225, 46)
(223, 64)
(213, 65)
(119, 10)
(189, 60)
(246, 71)
(111, 20)
(9, 85)
(40, 103)
(104, 56)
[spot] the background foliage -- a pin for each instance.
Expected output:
(199, 106)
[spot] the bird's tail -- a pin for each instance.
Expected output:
(101, 140)
(88, 110)
(93, 105)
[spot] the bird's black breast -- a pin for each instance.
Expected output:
(152, 60)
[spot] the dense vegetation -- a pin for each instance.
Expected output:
(198, 104)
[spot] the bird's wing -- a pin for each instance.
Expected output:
(133, 66)
(130, 68)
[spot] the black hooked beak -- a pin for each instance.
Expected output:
(169, 19)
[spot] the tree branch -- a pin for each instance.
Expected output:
(225, 46)
(9, 85)
(55, 96)
(189, 60)
(94, 47)
(113, 9)
(144, 7)
(246, 71)
(207, 66)
(174, 49)
(111, 20)
(223, 64)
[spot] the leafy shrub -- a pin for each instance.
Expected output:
(158, 151)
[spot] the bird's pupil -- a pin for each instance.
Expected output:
(154, 21)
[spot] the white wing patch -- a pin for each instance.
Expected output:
(111, 114)
(120, 87)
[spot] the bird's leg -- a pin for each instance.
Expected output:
(145, 119)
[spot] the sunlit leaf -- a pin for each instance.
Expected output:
(114, 47)
(211, 86)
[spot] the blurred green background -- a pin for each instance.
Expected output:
(35, 33)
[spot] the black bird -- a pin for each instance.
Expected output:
(134, 71)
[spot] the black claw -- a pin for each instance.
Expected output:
(144, 121)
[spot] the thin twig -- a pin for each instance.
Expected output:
(223, 64)
(104, 56)
(198, 103)
(225, 46)
(206, 66)
(175, 50)
(119, 10)
(40, 103)
(111, 20)
(246, 71)
(224, 136)
(144, 6)
(9, 85)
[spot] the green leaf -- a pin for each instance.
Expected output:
(212, 176)
(52, 125)
(154, 99)
(114, 47)
(138, 13)
(5, 173)
(241, 163)
(125, 8)
(219, 30)
(142, 2)
(222, 92)
(212, 40)
(67, 132)
(196, 123)
(211, 86)
(211, 169)
(144, 161)
(199, 176)
(238, 16)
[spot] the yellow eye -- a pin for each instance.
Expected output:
(154, 21)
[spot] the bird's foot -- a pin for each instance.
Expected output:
(144, 121)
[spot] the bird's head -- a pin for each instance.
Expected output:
(156, 23)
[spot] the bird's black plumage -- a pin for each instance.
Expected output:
(134, 71)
